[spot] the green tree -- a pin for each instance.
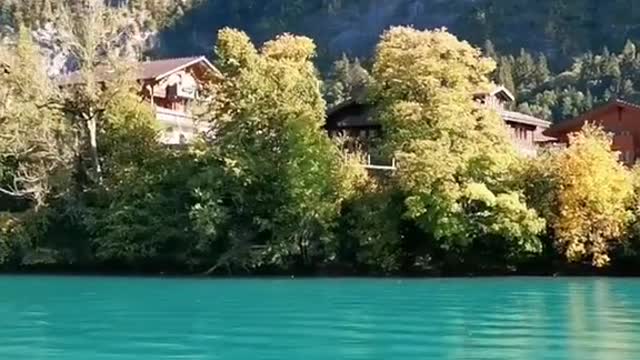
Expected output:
(34, 151)
(141, 216)
(504, 74)
(274, 179)
(348, 80)
(93, 30)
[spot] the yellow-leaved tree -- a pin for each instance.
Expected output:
(592, 193)
(454, 156)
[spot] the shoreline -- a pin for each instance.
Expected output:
(315, 276)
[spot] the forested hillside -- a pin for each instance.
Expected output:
(561, 29)
(559, 57)
(36, 13)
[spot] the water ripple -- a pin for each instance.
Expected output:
(126, 319)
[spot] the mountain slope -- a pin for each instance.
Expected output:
(351, 27)
(559, 28)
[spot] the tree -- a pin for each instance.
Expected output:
(141, 216)
(274, 179)
(369, 233)
(591, 191)
(92, 31)
(34, 151)
(504, 74)
(542, 72)
(490, 50)
(348, 80)
(447, 148)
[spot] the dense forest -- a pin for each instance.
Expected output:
(34, 13)
(86, 186)
(591, 79)
(559, 29)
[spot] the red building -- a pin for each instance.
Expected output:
(620, 118)
(171, 86)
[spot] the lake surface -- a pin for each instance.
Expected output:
(156, 319)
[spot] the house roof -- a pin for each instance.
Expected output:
(354, 114)
(577, 122)
(504, 93)
(520, 118)
(148, 70)
(500, 92)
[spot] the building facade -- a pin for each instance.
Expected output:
(620, 118)
(356, 121)
(171, 86)
(526, 132)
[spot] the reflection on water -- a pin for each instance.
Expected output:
(109, 319)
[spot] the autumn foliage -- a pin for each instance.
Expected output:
(589, 197)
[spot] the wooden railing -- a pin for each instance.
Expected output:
(174, 118)
(376, 164)
(178, 127)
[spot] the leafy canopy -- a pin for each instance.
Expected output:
(454, 157)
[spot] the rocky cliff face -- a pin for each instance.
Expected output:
(59, 59)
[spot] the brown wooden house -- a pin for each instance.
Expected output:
(526, 131)
(355, 120)
(171, 86)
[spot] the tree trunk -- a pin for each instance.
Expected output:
(93, 142)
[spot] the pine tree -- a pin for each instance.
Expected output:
(348, 80)
(542, 72)
(627, 91)
(589, 100)
(6, 12)
(504, 74)
(490, 50)
(629, 52)
(524, 71)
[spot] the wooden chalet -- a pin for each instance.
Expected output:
(171, 86)
(526, 131)
(355, 120)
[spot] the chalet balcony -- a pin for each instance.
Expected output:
(178, 127)
(168, 117)
(376, 162)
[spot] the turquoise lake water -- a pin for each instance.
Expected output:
(156, 319)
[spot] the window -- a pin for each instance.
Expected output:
(521, 133)
(628, 157)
